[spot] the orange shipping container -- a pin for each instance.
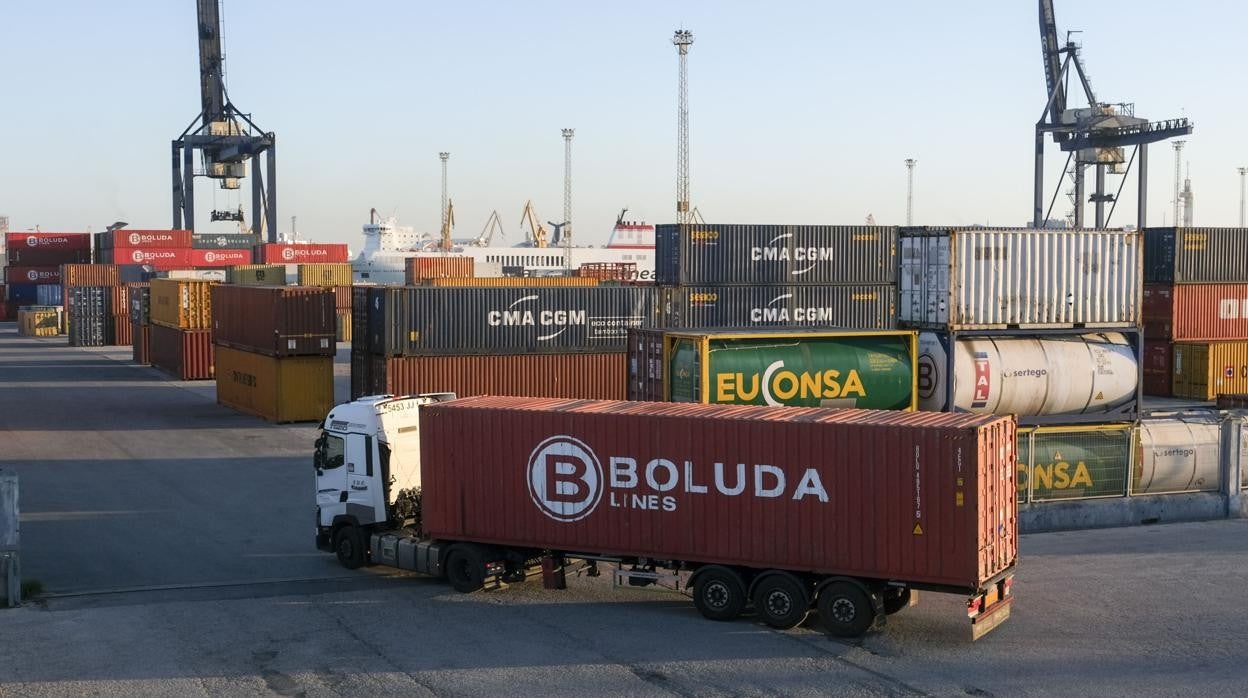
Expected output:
(181, 303)
(418, 269)
(90, 275)
(184, 354)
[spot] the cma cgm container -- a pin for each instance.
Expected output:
(289, 389)
(1039, 378)
(184, 354)
(275, 321)
(509, 281)
(416, 269)
(1194, 255)
(1196, 311)
(801, 368)
(1205, 370)
(852, 307)
(792, 508)
(184, 303)
(714, 255)
(984, 279)
(224, 241)
(581, 375)
(300, 254)
(420, 320)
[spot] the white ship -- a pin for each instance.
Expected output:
(388, 245)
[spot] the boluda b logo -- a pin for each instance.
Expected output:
(32, 241)
(288, 254)
(135, 239)
(137, 256)
(32, 275)
(210, 256)
(565, 478)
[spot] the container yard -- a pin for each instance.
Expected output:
(802, 432)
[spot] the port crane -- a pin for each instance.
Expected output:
(1095, 136)
(492, 224)
(538, 235)
(448, 225)
(226, 139)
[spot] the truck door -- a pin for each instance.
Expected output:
(331, 477)
(365, 496)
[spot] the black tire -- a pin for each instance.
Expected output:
(781, 601)
(465, 569)
(719, 593)
(845, 609)
(896, 600)
(350, 548)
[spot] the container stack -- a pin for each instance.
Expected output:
(1195, 312)
(1042, 324)
(118, 280)
(90, 322)
(32, 275)
(165, 250)
(300, 253)
(754, 276)
(795, 367)
(275, 350)
(537, 337)
(140, 321)
(180, 333)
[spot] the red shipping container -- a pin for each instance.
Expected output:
(168, 258)
(184, 354)
(18, 242)
(1196, 312)
(154, 239)
(123, 331)
(275, 320)
(1158, 368)
(916, 496)
(300, 254)
(219, 258)
(139, 335)
(48, 257)
(7, 311)
(32, 275)
(581, 376)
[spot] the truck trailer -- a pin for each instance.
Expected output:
(783, 509)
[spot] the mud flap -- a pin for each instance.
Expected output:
(985, 622)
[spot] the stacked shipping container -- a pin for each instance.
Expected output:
(180, 333)
(33, 268)
(1195, 312)
(275, 350)
(164, 250)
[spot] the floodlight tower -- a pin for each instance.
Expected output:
(443, 156)
(567, 186)
(1243, 171)
(910, 163)
(683, 39)
(1178, 182)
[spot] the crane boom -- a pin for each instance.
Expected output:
(211, 74)
(539, 233)
(1052, 60)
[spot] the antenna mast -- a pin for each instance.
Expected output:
(683, 39)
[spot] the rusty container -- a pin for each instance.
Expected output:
(287, 389)
(417, 269)
(342, 297)
(183, 354)
(919, 497)
(275, 321)
(585, 376)
(140, 337)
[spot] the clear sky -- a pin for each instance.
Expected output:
(801, 112)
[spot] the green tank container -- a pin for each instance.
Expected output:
(799, 368)
(1074, 462)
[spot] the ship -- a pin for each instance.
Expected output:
(387, 246)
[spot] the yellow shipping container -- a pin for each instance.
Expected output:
(41, 322)
(182, 303)
(344, 326)
(512, 281)
(1204, 370)
(256, 275)
(325, 274)
(289, 389)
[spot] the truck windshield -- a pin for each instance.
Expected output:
(330, 452)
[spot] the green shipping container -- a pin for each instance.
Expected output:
(800, 368)
(1073, 462)
(256, 275)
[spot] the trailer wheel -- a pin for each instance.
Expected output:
(465, 569)
(781, 601)
(896, 600)
(349, 547)
(718, 593)
(846, 610)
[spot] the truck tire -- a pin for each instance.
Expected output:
(465, 569)
(845, 609)
(349, 547)
(781, 601)
(896, 600)
(718, 593)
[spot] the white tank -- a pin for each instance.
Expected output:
(1178, 454)
(1029, 376)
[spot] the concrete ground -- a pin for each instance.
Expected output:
(173, 538)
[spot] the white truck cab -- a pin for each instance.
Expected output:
(367, 461)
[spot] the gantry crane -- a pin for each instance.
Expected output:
(536, 231)
(1093, 136)
(225, 137)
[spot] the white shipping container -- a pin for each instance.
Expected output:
(996, 279)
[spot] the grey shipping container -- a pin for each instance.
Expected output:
(90, 317)
(224, 241)
(424, 320)
(141, 305)
(1195, 255)
(775, 254)
(866, 307)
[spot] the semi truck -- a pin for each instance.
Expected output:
(782, 510)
